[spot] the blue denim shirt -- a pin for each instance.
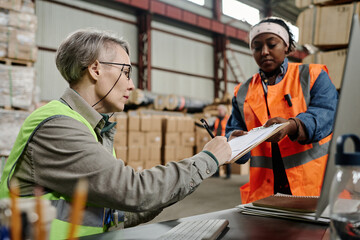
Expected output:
(318, 118)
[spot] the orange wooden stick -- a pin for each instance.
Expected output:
(40, 231)
(78, 205)
(15, 221)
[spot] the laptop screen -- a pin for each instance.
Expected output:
(347, 119)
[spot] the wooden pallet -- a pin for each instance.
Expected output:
(16, 62)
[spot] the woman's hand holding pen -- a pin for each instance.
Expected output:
(220, 148)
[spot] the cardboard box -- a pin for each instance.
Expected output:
(156, 123)
(11, 4)
(170, 124)
(4, 34)
(3, 49)
(122, 122)
(187, 139)
(168, 154)
(335, 62)
(155, 154)
(302, 3)
(23, 52)
(172, 139)
(17, 86)
(150, 154)
(145, 123)
(326, 26)
(305, 22)
(153, 139)
(333, 24)
(136, 139)
(121, 153)
(10, 124)
(184, 152)
(185, 124)
(201, 137)
(133, 122)
(133, 154)
(144, 154)
(120, 139)
(22, 20)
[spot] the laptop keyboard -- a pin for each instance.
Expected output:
(200, 229)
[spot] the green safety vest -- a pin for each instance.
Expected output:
(93, 220)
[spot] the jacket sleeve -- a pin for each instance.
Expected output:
(236, 122)
(319, 117)
(63, 150)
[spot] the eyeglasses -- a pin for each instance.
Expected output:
(127, 73)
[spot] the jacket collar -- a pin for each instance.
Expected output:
(78, 104)
(283, 70)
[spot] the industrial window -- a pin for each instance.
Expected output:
(241, 11)
(200, 2)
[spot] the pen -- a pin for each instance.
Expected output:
(206, 126)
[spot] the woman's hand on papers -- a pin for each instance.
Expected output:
(220, 148)
(290, 129)
(237, 133)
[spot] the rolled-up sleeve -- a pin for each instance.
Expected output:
(319, 117)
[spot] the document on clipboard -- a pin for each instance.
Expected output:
(244, 144)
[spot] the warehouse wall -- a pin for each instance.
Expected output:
(182, 57)
(55, 22)
(181, 54)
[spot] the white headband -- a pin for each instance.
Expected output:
(269, 27)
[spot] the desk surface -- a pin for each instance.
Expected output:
(240, 227)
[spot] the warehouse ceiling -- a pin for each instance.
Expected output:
(281, 8)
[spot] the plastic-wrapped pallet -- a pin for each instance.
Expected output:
(10, 124)
(17, 86)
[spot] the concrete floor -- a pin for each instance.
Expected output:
(213, 194)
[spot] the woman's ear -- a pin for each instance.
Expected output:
(94, 70)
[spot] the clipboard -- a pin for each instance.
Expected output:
(244, 144)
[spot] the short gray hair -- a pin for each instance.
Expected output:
(81, 48)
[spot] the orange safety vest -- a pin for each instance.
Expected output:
(304, 164)
(223, 124)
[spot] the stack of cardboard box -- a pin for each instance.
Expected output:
(171, 139)
(17, 76)
(135, 140)
(186, 129)
(18, 25)
(120, 138)
(151, 126)
(326, 24)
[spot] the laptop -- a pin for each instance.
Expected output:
(347, 119)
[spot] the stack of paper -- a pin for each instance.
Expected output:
(286, 206)
(243, 144)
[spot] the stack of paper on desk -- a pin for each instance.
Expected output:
(244, 144)
(286, 206)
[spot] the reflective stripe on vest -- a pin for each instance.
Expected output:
(300, 161)
(93, 216)
(295, 160)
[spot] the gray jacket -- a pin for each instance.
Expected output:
(63, 150)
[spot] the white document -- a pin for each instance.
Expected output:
(243, 144)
